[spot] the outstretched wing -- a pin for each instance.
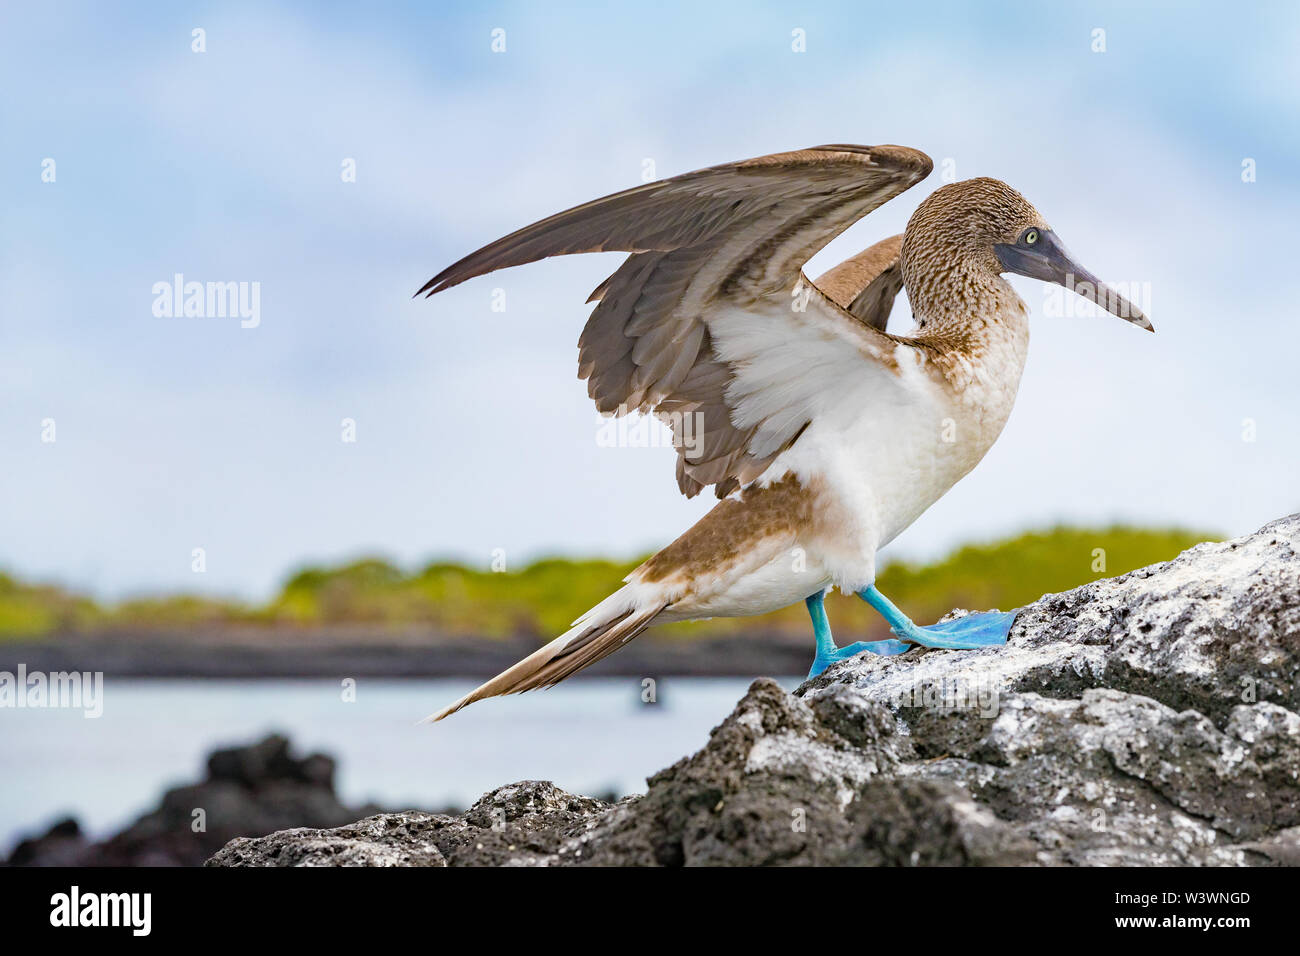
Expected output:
(710, 323)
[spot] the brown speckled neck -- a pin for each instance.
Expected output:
(950, 270)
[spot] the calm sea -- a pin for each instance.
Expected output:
(590, 737)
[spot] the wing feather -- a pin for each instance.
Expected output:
(703, 324)
(866, 285)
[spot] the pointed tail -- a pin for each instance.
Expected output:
(597, 634)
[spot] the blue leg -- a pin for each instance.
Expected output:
(986, 629)
(827, 652)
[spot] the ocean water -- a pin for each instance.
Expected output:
(588, 736)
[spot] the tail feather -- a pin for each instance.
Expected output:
(596, 635)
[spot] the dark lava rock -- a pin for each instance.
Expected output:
(516, 825)
(61, 845)
(1149, 719)
(249, 791)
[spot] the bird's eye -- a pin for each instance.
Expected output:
(1031, 237)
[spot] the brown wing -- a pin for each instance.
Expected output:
(705, 245)
(867, 284)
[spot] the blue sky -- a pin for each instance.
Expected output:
(473, 433)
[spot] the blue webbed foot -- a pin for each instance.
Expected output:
(827, 652)
(985, 629)
(826, 657)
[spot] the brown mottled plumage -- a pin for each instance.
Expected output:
(724, 534)
(948, 260)
(831, 433)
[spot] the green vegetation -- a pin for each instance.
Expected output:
(34, 610)
(544, 597)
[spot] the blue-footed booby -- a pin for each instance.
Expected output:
(824, 435)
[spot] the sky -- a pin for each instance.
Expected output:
(1163, 150)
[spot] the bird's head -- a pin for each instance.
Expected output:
(984, 227)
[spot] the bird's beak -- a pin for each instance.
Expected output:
(1049, 260)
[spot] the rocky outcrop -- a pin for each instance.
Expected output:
(1150, 719)
(255, 789)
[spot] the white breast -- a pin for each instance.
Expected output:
(881, 445)
(886, 454)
